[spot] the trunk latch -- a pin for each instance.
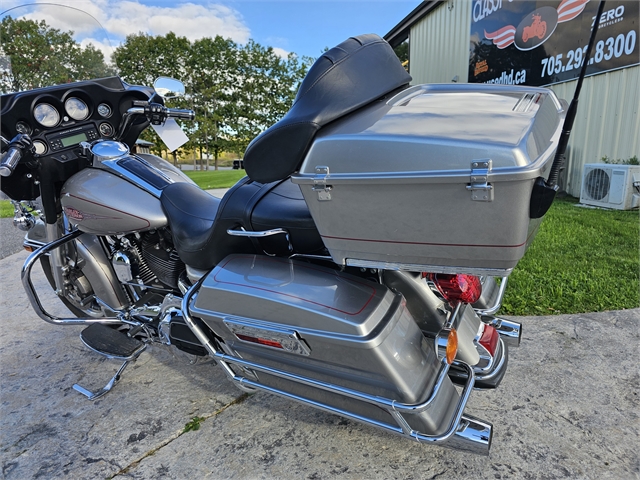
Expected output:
(320, 183)
(481, 189)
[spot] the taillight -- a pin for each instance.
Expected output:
(489, 339)
(457, 288)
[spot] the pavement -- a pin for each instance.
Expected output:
(567, 408)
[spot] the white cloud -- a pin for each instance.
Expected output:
(124, 17)
(281, 52)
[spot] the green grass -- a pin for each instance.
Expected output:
(6, 209)
(582, 260)
(215, 178)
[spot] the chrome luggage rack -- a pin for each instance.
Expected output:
(464, 432)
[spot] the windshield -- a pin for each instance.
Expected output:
(46, 44)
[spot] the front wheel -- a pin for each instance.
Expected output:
(80, 298)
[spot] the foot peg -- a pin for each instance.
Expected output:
(112, 344)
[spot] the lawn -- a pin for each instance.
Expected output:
(582, 260)
(215, 178)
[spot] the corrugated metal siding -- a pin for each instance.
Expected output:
(439, 44)
(607, 122)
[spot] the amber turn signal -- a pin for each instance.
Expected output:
(452, 346)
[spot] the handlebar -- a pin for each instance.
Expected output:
(156, 113)
(14, 154)
(181, 113)
(9, 161)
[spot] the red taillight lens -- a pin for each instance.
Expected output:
(457, 288)
(489, 339)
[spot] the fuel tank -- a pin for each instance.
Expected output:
(102, 203)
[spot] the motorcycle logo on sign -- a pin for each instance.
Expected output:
(537, 26)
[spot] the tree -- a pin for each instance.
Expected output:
(40, 56)
(143, 58)
(266, 89)
(236, 91)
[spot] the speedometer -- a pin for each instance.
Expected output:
(46, 115)
(76, 108)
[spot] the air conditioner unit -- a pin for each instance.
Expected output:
(611, 186)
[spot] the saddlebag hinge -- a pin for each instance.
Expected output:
(320, 183)
(481, 189)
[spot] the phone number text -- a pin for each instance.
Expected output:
(612, 47)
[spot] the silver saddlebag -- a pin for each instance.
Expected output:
(330, 329)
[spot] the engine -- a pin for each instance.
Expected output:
(148, 259)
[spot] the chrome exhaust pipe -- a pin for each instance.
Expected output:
(510, 332)
(473, 435)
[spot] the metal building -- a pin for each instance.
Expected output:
(440, 40)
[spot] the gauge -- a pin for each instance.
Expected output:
(46, 115)
(40, 146)
(76, 108)
(22, 127)
(106, 130)
(104, 110)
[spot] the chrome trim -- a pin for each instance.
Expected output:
(104, 390)
(113, 167)
(32, 295)
(510, 332)
(327, 258)
(264, 233)
(414, 267)
(478, 442)
(498, 302)
(495, 365)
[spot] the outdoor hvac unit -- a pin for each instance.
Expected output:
(611, 186)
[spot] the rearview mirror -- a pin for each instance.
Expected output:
(168, 87)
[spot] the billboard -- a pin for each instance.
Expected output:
(544, 42)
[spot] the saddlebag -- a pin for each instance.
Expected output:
(438, 178)
(330, 327)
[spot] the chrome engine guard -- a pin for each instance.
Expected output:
(33, 295)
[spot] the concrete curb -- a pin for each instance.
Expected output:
(568, 408)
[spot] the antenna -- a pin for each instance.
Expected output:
(544, 192)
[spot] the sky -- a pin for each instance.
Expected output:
(304, 27)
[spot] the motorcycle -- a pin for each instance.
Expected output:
(354, 268)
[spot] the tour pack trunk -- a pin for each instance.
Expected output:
(328, 327)
(437, 178)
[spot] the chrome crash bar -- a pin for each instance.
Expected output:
(464, 432)
(33, 295)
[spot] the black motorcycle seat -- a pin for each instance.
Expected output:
(284, 207)
(345, 78)
(191, 213)
(199, 221)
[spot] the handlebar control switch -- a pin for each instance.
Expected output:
(156, 113)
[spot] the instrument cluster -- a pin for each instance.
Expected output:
(59, 118)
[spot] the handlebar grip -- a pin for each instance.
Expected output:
(9, 161)
(181, 113)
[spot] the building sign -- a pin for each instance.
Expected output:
(544, 42)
